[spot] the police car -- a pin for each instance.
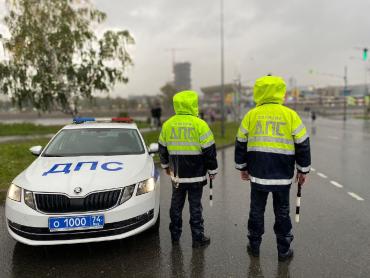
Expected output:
(94, 181)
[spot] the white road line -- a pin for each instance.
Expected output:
(313, 169)
(354, 195)
(336, 184)
(322, 175)
(333, 137)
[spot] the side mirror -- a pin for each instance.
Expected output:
(153, 148)
(36, 150)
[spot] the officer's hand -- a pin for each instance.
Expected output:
(301, 178)
(212, 177)
(244, 175)
(168, 171)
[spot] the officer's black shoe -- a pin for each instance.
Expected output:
(175, 240)
(204, 241)
(286, 256)
(255, 252)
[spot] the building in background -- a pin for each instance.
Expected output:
(182, 76)
(238, 99)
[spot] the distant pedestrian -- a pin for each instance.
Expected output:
(201, 114)
(271, 142)
(152, 117)
(156, 115)
(313, 116)
(212, 115)
(188, 153)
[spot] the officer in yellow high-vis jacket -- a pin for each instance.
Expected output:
(271, 142)
(188, 153)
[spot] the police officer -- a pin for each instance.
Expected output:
(187, 151)
(270, 143)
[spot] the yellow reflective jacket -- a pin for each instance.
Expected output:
(186, 143)
(272, 138)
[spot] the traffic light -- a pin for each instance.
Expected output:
(364, 54)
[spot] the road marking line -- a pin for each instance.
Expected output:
(333, 137)
(313, 169)
(322, 175)
(354, 195)
(336, 184)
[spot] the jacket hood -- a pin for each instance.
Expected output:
(186, 103)
(269, 89)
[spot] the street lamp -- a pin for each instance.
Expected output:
(222, 69)
(345, 93)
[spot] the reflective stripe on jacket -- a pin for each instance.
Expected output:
(272, 139)
(186, 143)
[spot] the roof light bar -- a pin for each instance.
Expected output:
(80, 120)
(123, 120)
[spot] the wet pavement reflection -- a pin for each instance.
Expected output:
(331, 240)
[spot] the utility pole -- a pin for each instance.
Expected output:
(240, 88)
(222, 69)
(345, 77)
(237, 97)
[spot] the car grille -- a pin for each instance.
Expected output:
(58, 203)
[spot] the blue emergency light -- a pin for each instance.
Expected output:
(80, 120)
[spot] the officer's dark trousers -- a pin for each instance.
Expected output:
(194, 191)
(282, 225)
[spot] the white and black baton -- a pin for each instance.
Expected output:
(297, 209)
(210, 192)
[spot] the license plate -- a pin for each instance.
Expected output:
(70, 223)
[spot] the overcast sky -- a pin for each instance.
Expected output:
(287, 38)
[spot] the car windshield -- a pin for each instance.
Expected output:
(95, 141)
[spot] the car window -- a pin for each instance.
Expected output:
(95, 141)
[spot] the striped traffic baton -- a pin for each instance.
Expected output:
(210, 192)
(297, 209)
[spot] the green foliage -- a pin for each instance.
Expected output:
(55, 57)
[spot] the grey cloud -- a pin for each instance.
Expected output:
(286, 37)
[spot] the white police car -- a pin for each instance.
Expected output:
(94, 181)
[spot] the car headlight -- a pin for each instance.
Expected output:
(15, 193)
(127, 193)
(28, 199)
(145, 186)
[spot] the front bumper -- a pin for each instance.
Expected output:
(110, 229)
(134, 216)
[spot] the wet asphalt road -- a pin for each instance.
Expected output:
(332, 240)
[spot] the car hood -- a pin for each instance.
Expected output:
(119, 171)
